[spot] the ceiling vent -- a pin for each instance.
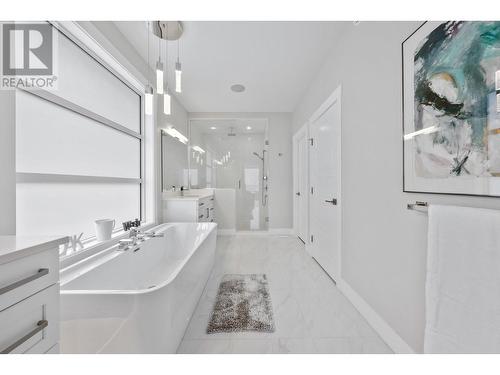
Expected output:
(237, 88)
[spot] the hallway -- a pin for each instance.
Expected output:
(311, 315)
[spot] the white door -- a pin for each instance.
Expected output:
(301, 214)
(324, 169)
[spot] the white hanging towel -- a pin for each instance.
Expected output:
(463, 281)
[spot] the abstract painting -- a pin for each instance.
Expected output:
(451, 108)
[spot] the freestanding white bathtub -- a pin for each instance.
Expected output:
(137, 302)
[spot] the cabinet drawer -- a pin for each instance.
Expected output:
(32, 325)
(23, 277)
(205, 202)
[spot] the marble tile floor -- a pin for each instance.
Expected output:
(310, 314)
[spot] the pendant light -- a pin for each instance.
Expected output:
(167, 104)
(148, 102)
(159, 71)
(178, 77)
(178, 72)
(167, 100)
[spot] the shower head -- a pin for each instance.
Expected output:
(260, 157)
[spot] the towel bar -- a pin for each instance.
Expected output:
(417, 204)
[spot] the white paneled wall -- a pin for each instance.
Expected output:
(53, 139)
(71, 208)
(83, 81)
(78, 149)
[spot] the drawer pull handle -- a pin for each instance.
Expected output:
(39, 327)
(41, 272)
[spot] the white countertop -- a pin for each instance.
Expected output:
(188, 195)
(14, 247)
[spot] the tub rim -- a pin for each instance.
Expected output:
(111, 253)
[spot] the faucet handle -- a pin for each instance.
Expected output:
(126, 225)
(125, 243)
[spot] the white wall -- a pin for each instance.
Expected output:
(280, 171)
(280, 167)
(383, 244)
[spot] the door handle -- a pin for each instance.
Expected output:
(333, 201)
(297, 193)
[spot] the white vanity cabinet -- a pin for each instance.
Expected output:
(189, 209)
(29, 294)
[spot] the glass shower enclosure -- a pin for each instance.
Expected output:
(231, 154)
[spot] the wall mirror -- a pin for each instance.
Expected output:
(174, 159)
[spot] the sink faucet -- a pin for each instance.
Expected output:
(182, 191)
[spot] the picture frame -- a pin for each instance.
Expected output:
(451, 103)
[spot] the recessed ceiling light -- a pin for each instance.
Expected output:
(237, 88)
(249, 128)
(213, 127)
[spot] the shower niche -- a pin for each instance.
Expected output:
(231, 156)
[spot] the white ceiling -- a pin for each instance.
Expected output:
(275, 61)
(225, 126)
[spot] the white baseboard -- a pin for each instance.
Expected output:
(273, 231)
(281, 231)
(253, 232)
(391, 338)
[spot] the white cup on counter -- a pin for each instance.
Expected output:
(104, 229)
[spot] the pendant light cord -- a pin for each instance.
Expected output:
(166, 58)
(147, 69)
(178, 48)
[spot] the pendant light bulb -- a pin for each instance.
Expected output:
(178, 77)
(148, 104)
(167, 103)
(159, 77)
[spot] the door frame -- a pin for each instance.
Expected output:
(302, 132)
(335, 97)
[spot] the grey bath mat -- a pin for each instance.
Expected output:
(243, 304)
